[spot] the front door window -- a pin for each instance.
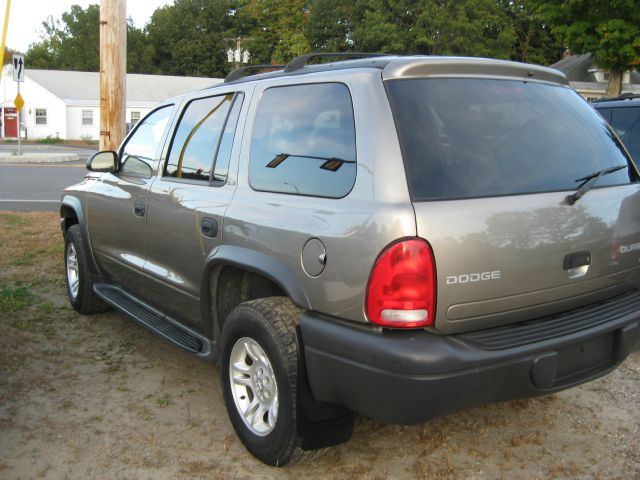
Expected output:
(139, 153)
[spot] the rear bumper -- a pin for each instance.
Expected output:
(412, 376)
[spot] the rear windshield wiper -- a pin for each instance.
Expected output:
(589, 182)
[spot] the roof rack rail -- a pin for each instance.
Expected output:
(238, 72)
(299, 62)
(624, 96)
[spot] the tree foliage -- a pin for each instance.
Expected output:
(191, 37)
(440, 27)
(610, 30)
(73, 43)
(188, 37)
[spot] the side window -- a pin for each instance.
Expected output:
(138, 154)
(196, 139)
(624, 119)
(605, 113)
(304, 141)
(221, 169)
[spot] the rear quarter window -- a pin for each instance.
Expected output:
(303, 141)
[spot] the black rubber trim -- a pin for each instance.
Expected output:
(75, 204)
(154, 320)
(412, 376)
(515, 335)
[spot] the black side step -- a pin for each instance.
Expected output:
(155, 321)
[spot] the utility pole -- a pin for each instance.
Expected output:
(4, 33)
(113, 72)
(238, 56)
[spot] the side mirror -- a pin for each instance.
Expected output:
(103, 162)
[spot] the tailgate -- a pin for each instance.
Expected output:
(502, 260)
(490, 160)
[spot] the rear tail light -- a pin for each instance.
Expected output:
(402, 286)
(615, 250)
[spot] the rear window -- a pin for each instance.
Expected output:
(464, 138)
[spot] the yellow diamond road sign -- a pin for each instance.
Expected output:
(19, 102)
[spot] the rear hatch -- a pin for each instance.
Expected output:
(490, 161)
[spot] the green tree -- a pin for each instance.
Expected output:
(140, 52)
(188, 37)
(433, 27)
(330, 26)
(278, 34)
(610, 30)
(73, 43)
(533, 41)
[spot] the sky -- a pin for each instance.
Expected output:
(26, 16)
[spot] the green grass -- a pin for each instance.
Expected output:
(14, 299)
(164, 402)
(31, 256)
(50, 140)
(14, 220)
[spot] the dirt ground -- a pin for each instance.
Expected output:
(101, 397)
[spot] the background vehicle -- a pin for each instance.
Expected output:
(623, 113)
(400, 237)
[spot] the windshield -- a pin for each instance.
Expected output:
(464, 138)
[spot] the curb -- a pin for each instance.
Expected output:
(40, 158)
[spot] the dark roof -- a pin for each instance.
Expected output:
(627, 100)
(576, 67)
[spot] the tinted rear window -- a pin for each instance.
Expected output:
(464, 138)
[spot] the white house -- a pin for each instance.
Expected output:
(591, 81)
(66, 104)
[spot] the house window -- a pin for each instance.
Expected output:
(87, 117)
(41, 116)
(135, 116)
(605, 76)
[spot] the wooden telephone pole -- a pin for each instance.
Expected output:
(113, 71)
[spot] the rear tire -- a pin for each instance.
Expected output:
(258, 376)
(79, 282)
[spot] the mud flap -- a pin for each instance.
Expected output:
(320, 424)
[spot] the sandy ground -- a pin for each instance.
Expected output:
(101, 397)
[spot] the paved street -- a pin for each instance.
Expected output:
(36, 187)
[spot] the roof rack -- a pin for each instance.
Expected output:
(299, 62)
(624, 96)
(238, 72)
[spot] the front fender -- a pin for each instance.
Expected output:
(69, 202)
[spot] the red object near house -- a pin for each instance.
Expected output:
(10, 122)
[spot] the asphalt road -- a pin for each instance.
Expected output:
(36, 187)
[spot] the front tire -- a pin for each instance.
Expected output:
(79, 282)
(258, 376)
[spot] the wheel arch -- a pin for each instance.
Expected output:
(274, 278)
(71, 213)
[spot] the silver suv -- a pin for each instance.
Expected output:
(400, 237)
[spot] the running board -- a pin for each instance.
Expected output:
(156, 321)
